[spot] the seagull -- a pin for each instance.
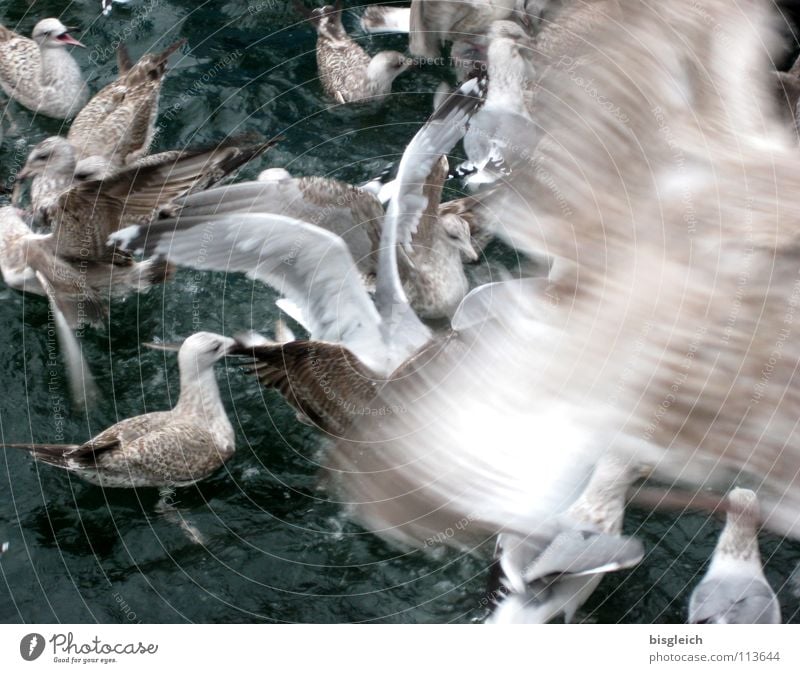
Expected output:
(39, 73)
(348, 74)
(734, 590)
(118, 123)
(433, 270)
(163, 448)
(77, 293)
(545, 579)
(29, 263)
(313, 268)
(82, 215)
(502, 131)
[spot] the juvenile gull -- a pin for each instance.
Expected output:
(29, 264)
(734, 589)
(40, 73)
(163, 448)
(118, 123)
(348, 74)
(433, 270)
(83, 215)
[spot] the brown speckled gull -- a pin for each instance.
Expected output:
(162, 448)
(40, 73)
(348, 74)
(118, 123)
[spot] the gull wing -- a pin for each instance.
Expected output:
(310, 266)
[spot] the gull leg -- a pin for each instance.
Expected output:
(167, 508)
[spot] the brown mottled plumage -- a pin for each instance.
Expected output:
(346, 71)
(40, 73)
(118, 123)
(163, 448)
(327, 385)
(330, 388)
(435, 281)
(83, 215)
(80, 291)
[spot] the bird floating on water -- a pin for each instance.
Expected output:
(40, 73)
(348, 74)
(162, 448)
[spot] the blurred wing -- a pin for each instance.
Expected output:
(385, 19)
(83, 389)
(579, 553)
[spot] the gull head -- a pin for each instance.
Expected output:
(328, 21)
(743, 507)
(52, 34)
(203, 350)
(53, 155)
(386, 65)
(92, 168)
(456, 233)
(274, 175)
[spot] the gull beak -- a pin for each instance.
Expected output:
(468, 250)
(66, 38)
(162, 346)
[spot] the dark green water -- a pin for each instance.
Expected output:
(275, 549)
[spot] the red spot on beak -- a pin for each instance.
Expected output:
(66, 38)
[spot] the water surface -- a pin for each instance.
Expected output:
(275, 549)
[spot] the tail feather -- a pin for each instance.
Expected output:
(52, 454)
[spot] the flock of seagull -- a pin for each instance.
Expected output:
(655, 363)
